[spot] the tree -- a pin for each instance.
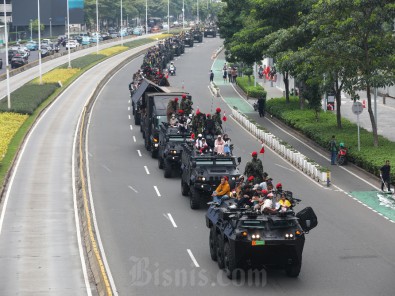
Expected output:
(356, 46)
(34, 26)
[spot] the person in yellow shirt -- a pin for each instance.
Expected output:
(285, 204)
(222, 191)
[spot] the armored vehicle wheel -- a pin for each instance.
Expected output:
(194, 199)
(184, 188)
(137, 119)
(146, 144)
(160, 162)
(200, 39)
(229, 262)
(294, 269)
(191, 44)
(154, 153)
(215, 35)
(212, 244)
(220, 256)
(167, 168)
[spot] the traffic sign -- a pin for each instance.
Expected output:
(357, 108)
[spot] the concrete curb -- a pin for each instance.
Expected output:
(293, 156)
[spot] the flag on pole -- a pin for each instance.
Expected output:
(262, 149)
(224, 117)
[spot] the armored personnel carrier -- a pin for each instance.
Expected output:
(242, 239)
(201, 173)
(188, 39)
(171, 140)
(197, 35)
(210, 31)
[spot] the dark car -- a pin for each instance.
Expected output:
(241, 238)
(106, 36)
(45, 51)
(11, 54)
(18, 61)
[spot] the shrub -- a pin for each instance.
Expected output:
(369, 158)
(27, 98)
(247, 85)
(112, 50)
(84, 61)
(135, 43)
(9, 125)
(57, 75)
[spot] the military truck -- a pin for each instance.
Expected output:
(202, 173)
(155, 114)
(242, 239)
(197, 35)
(178, 47)
(138, 98)
(210, 31)
(171, 140)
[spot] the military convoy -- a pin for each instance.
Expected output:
(242, 239)
(197, 35)
(188, 39)
(202, 173)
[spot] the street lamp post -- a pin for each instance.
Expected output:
(146, 16)
(168, 16)
(31, 30)
(6, 57)
(39, 42)
(183, 14)
(197, 11)
(121, 25)
(97, 27)
(50, 27)
(68, 35)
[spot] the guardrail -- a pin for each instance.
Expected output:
(296, 158)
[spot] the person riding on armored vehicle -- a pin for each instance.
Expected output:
(171, 140)
(242, 238)
(202, 173)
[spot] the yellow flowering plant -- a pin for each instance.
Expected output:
(9, 125)
(113, 50)
(56, 75)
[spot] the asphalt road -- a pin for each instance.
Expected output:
(40, 252)
(156, 245)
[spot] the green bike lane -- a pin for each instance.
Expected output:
(381, 203)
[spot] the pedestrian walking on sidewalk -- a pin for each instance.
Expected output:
(385, 175)
(261, 106)
(333, 148)
(211, 76)
(225, 75)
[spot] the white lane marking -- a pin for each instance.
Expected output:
(128, 108)
(129, 117)
(106, 167)
(129, 101)
(146, 170)
(133, 189)
(157, 191)
(193, 258)
(139, 152)
(284, 167)
(134, 138)
(131, 127)
(172, 220)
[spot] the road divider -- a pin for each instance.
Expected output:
(300, 161)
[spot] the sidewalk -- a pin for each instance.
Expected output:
(385, 113)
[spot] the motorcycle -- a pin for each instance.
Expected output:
(342, 156)
(172, 71)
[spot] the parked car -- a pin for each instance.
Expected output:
(138, 31)
(45, 52)
(48, 48)
(113, 34)
(106, 36)
(86, 40)
(72, 43)
(155, 29)
(32, 45)
(18, 61)
(11, 53)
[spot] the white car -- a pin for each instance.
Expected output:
(72, 44)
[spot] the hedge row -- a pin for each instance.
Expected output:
(247, 85)
(27, 98)
(320, 129)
